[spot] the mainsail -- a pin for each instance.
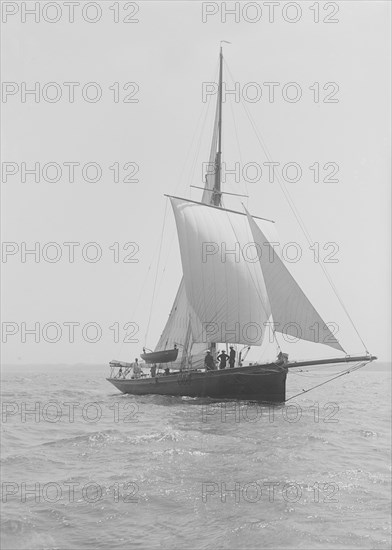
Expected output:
(224, 287)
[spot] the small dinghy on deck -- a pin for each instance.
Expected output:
(165, 356)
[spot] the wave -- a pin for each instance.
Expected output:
(91, 438)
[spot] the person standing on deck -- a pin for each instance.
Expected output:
(137, 371)
(209, 361)
(232, 357)
(222, 358)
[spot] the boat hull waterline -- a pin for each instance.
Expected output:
(266, 383)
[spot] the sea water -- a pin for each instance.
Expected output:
(84, 466)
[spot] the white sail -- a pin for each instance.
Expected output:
(177, 324)
(224, 287)
(176, 331)
(292, 312)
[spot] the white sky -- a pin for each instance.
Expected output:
(170, 52)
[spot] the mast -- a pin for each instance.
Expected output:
(177, 322)
(216, 195)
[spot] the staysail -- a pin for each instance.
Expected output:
(292, 311)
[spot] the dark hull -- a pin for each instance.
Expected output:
(266, 383)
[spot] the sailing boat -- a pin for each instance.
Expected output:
(226, 298)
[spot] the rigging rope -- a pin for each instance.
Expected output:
(156, 274)
(214, 134)
(204, 111)
(347, 371)
(238, 146)
(299, 219)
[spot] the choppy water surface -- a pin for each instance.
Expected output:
(126, 472)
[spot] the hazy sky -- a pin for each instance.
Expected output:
(167, 55)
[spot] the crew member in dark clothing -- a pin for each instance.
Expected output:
(222, 358)
(283, 358)
(209, 361)
(232, 357)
